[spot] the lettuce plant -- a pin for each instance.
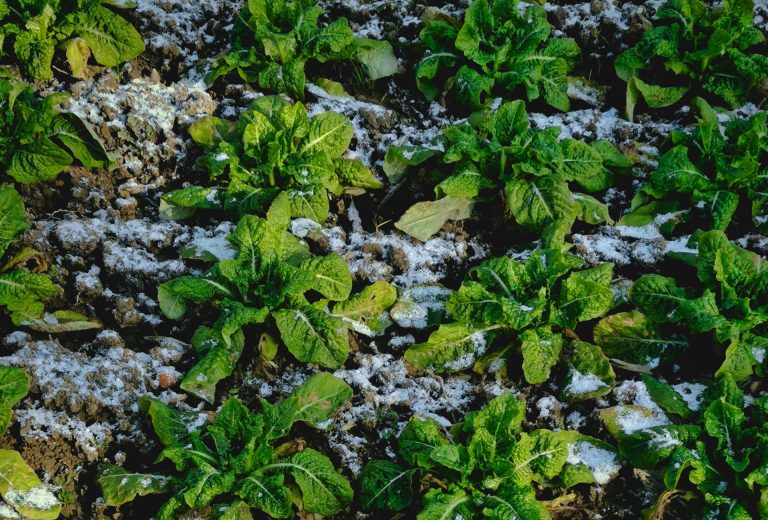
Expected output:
(505, 305)
(20, 487)
(718, 456)
(38, 140)
(234, 463)
(715, 49)
(80, 27)
(274, 39)
(500, 152)
(21, 292)
(496, 50)
(709, 176)
(273, 148)
(485, 467)
(725, 317)
(271, 281)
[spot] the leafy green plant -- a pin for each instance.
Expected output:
(497, 49)
(271, 281)
(499, 151)
(486, 466)
(38, 140)
(234, 463)
(274, 39)
(724, 318)
(21, 292)
(718, 456)
(80, 27)
(710, 176)
(505, 305)
(20, 487)
(274, 147)
(712, 48)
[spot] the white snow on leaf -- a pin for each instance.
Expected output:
(602, 463)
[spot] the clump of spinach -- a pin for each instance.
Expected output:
(725, 319)
(81, 27)
(485, 466)
(711, 48)
(499, 151)
(718, 455)
(505, 305)
(234, 463)
(274, 39)
(497, 49)
(271, 281)
(38, 140)
(709, 176)
(20, 487)
(273, 148)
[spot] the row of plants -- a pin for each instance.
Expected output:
(540, 316)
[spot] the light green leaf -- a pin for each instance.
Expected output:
(111, 38)
(451, 348)
(313, 336)
(318, 398)
(23, 490)
(331, 276)
(541, 351)
(13, 218)
(424, 219)
(324, 490)
(366, 311)
(330, 133)
(119, 486)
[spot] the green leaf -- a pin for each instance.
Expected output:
(590, 461)
(666, 397)
(584, 297)
(313, 336)
(385, 486)
(424, 219)
(13, 218)
(23, 490)
(175, 295)
(676, 173)
(656, 96)
(38, 161)
(366, 311)
(536, 202)
(111, 38)
(471, 87)
(119, 486)
(632, 337)
(590, 373)
(266, 493)
(14, 385)
(324, 490)
(539, 455)
(417, 440)
(82, 141)
(331, 276)
(496, 425)
(658, 297)
(541, 351)
(580, 161)
(329, 133)
(451, 348)
(440, 505)
(514, 502)
(318, 398)
(377, 58)
(218, 362)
